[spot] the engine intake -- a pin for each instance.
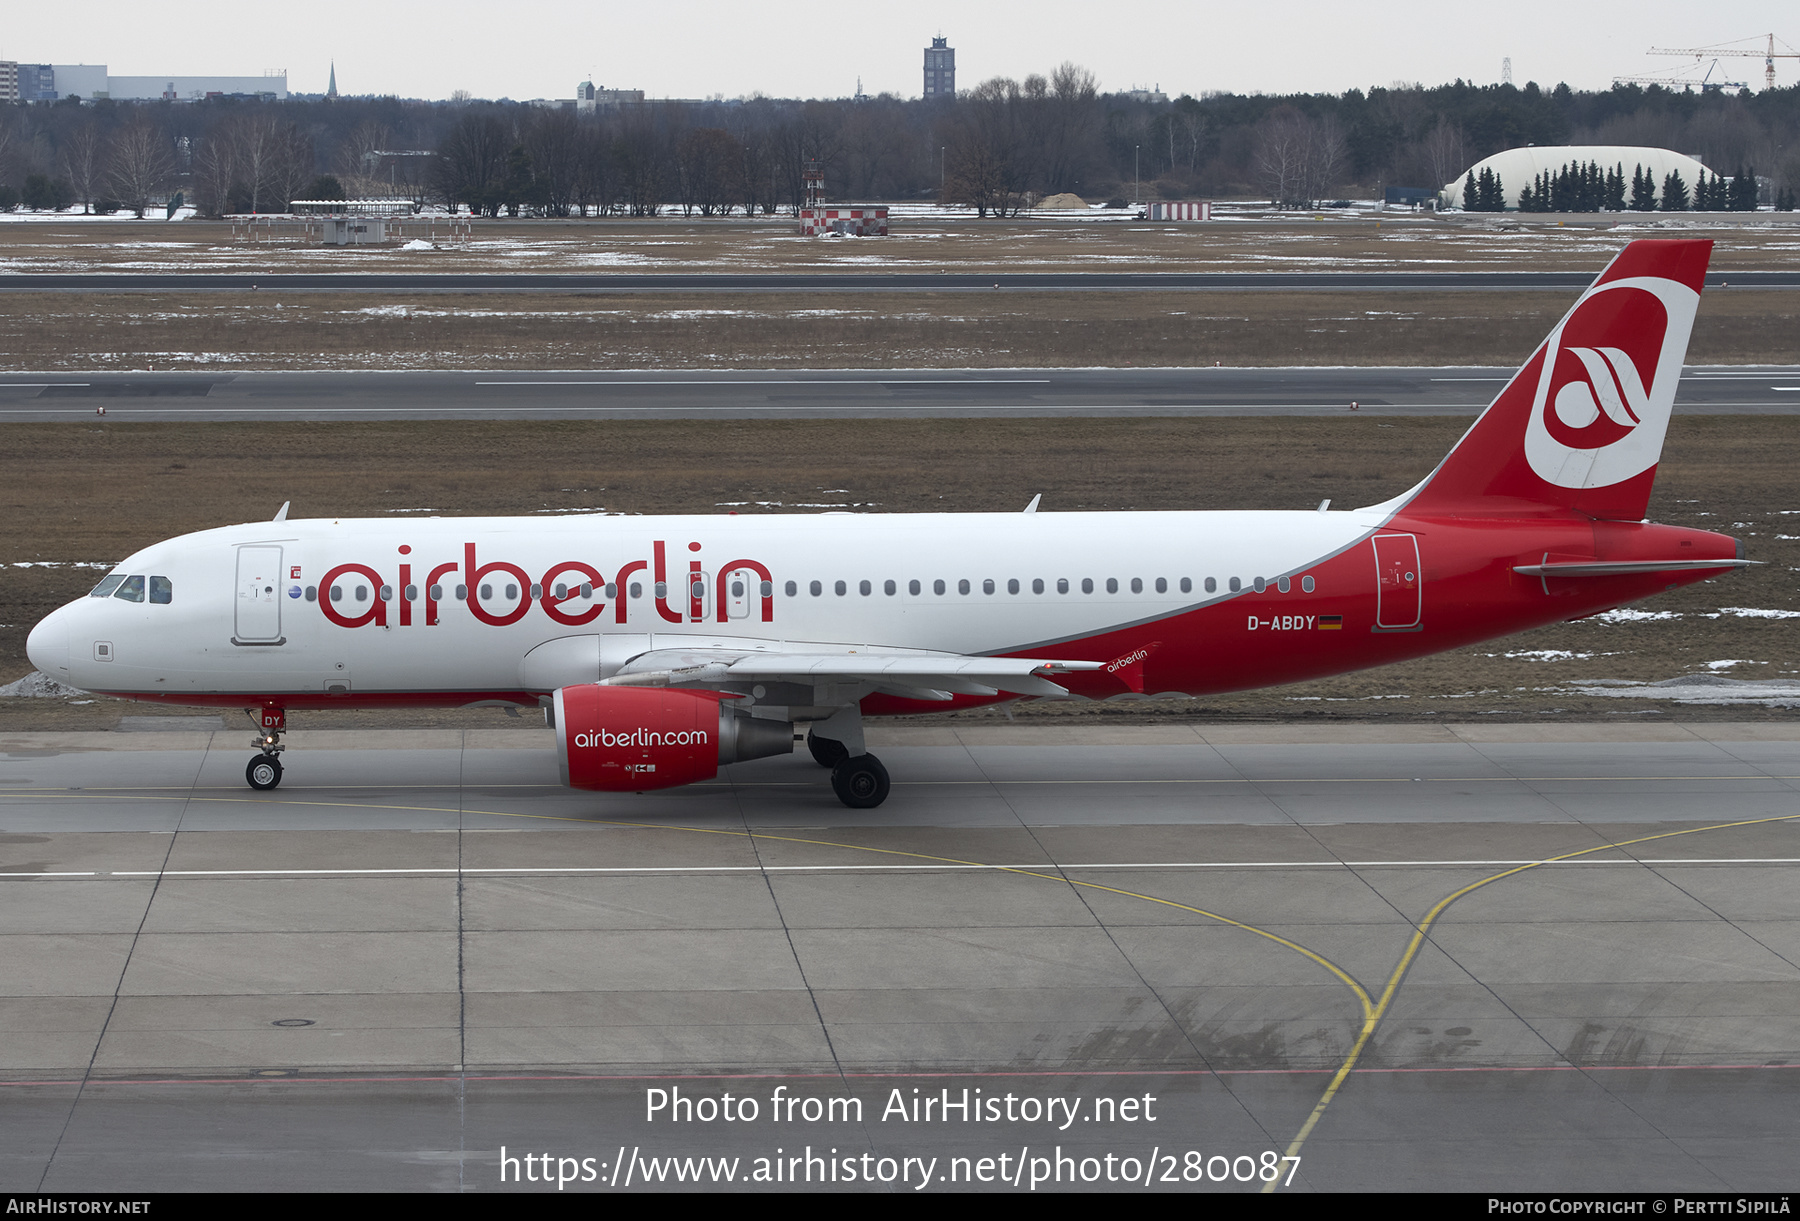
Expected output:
(629, 739)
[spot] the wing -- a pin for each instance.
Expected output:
(908, 673)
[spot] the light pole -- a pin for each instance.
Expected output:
(1135, 199)
(941, 149)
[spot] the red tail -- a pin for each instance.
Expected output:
(1580, 428)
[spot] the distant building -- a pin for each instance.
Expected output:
(940, 69)
(53, 82)
(1154, 97)
(331, 89)
(1518, 168)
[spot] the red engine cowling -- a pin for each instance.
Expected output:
(629, 739)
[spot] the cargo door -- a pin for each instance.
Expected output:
(258, 617)
(1397, 594)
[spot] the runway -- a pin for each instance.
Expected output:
(814, 282)
(840, 394)
(1546, 958)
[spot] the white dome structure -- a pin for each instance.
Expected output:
(1518, 168)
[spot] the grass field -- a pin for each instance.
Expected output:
(1304, 242)
(90, 494)
(79, 332)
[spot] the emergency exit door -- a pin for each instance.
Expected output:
(258, 618)
(1398, 603)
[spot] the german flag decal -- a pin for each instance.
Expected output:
(1331, 623)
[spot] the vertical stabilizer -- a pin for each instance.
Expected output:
(1580, 427)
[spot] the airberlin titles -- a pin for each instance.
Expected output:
(564, 583)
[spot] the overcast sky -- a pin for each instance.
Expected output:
(541, 48)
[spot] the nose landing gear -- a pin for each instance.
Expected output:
(264, 772)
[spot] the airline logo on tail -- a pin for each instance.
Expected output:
(1607, 382)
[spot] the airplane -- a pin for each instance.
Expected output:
(662, 648)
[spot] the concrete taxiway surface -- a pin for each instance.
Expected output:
(840, 394)
(1574, 952)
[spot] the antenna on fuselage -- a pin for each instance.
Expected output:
(1324, 504)
(281, 513)
(1032, 507)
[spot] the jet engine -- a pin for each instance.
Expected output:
(629, 739)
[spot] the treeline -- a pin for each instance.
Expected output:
(996, 147)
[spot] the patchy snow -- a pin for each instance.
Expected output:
(1728, 662)
(1627, 615)
(1757, 612)
(418, 243)
(1702, 689)
(1548, 655)
(38, 685)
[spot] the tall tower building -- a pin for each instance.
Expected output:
(940, 69)
(331, 89)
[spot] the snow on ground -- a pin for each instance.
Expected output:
(38, 685)
(1701, 689)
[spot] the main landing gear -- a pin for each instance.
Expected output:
(860, 781)
(264, 772)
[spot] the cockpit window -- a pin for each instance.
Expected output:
(132, 590)
(161, 590)
(107, 585)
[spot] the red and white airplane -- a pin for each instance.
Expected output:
(664, 647)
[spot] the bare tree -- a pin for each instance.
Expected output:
(1298, 156)
(83, 162)
(1446, 153)
(141, 163)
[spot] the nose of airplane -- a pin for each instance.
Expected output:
(48, 644)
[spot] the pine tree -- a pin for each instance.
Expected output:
(1743, 190)
(1643, 190)
(1674, 193)
(1469, 195)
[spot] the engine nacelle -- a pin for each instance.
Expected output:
(628, 739)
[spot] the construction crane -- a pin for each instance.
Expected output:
(1707, 83)
(1769, 54)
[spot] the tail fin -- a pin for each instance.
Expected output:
(1580, 427)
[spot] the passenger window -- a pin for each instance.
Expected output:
(132, 590)
(1187, 585)
(839, 588)
(462, 593)
(1012, 585)
(587, 589)
(889, 588)
(1259, 584)
(561, 591)
(487, 592)
(387, 593)
(737, 588)
(537, 590)
(937, 587)
(312, 593)
(362, 593)
(1162, 585)
(1137, 585)
(1281, 583)
(768, 589)
(1037, 585)
(1112, 585)
(435, 593)
(1306, 585)
(1212, 586)
(1062, 585)
(337, 593)
(793, 590)
(635, 589)
(815, 589)
(512, 592)
(107, 585)
(865, 589)
(1236, 585)
(662, 589)
(1087, 585)
(161, 591)
(912, 587)
(962, 586)
(987, 586)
